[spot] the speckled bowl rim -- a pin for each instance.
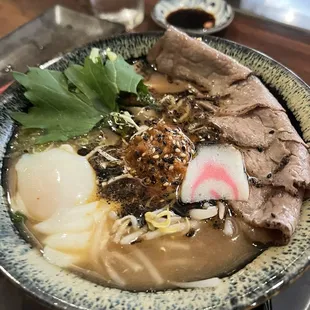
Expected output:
(196, 32)
(303, 262)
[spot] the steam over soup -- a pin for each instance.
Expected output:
(152, 179)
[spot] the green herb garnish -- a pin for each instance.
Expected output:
(71, 103)
(18, 217)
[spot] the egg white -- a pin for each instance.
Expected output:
(52, 180)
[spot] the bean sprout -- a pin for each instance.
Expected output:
(131, 237)
(150, 267)
(123, 176)
(159, 223)
(202, 214)
(94, 151)
(222, 208)
(116, 278)
(152, 234)
(127, 261)
(132, 219)
(100, 239)
(121, 231)
(106, 155)
(175, 245)
(230, 227)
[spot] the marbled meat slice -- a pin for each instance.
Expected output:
(249, 116)
(271, 208)
(179, 56)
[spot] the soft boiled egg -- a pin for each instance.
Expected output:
(52, 180)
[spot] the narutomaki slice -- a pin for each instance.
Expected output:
(217, 172)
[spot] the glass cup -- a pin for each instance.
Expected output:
(127, 12)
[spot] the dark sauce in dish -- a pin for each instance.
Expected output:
(191, 19)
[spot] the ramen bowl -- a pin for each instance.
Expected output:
(249, 286)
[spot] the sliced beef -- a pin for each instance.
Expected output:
(246, 114)
(279, 122)
(294, 174)
(272, 208)
(257, 128)
(207, 106)
(247, 131)
(179, 56)
(283, 165)
(262, 163)
(247, 96)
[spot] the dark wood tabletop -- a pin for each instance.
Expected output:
(290, 46)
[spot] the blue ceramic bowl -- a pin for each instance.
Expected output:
(220, 9)
(250, 286)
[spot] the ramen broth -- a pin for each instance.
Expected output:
(176, 258)
(207, 254)
(204, 252)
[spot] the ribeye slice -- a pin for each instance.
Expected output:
(177, 55)
(250, 117)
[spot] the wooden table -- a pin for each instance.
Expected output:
(287, 45)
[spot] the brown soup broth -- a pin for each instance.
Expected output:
(176, 258)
